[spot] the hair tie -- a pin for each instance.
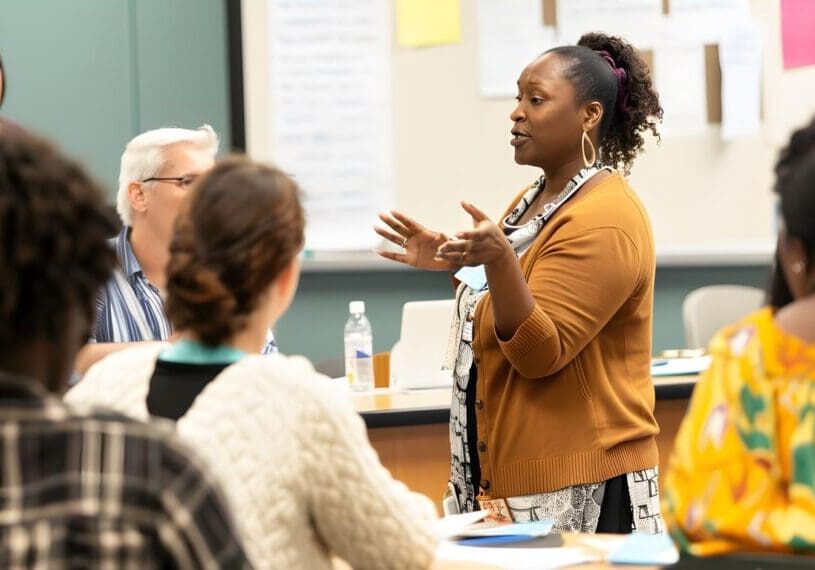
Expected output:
(622, 81)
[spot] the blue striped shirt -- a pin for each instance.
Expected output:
(131, 309)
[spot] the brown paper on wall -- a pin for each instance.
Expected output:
(549, 12)
(713, 84)
(647, 56)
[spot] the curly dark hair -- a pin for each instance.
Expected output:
(607, 69)
(242, 225)
(795, 187)
(54, 253)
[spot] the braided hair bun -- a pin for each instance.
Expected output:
(242, 225)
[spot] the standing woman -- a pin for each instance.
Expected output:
(552, 412)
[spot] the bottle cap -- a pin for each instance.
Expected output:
(356, 307)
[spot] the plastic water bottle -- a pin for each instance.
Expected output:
(359, 365)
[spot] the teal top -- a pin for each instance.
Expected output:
(193, 352)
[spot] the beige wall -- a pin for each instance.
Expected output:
(706, 197)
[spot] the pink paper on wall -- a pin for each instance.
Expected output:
(798, 32)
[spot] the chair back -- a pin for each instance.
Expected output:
(708, 309)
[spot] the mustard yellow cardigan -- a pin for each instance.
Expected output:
(569, 398)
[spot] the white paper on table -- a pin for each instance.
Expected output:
(740, 60)
(516, 558)
(642, 548)
(679, 366)
(332, 114)
(705, 20)
(452, 525)
(492, 529)
(511, 35)
(634, 20)
(607, 543)
(679, 74)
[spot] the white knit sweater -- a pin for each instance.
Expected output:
(293, 457)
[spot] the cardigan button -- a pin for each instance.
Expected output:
(482, 447)
(485, 485)
(470, 317)
(479, 404)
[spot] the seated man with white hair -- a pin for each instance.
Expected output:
(158, 168)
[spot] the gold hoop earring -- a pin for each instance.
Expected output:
(585, 139)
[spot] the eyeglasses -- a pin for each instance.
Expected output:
(180, 181)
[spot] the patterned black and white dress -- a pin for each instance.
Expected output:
(576, 508)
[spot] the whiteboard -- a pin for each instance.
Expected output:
(710, 201)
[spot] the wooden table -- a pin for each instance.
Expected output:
(409, 430)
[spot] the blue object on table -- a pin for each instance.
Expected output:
(640, 548)
(507, 533)
(496, 540)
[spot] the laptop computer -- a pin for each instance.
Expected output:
(417, 357)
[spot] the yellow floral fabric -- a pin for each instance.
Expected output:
(742, 474)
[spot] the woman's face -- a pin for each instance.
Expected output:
(548, 124)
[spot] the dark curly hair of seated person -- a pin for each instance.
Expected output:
(54, 251)
(242, 225)
(608, 69)
(794, 184)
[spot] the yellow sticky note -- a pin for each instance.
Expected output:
(427, 22)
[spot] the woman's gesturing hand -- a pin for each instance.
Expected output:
(483, 245)
(420, 244)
